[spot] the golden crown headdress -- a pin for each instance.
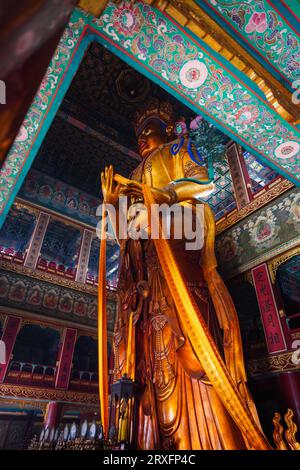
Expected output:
(154, 109)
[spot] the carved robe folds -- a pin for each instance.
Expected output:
(178, 407)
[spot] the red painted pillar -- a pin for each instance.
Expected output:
(53, 414)
(289, 386)
(66, 359)
(10, 332)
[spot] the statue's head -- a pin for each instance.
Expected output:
(154, 126)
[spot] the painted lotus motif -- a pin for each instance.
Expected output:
(22, 135)
(262, 235)
(180, 128)
(287, 149)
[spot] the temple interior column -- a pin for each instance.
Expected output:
(10, 332)
(53, 414)
(64, 365)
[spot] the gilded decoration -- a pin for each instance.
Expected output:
(37, 393)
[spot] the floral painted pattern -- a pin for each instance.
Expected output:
(158, 45)
(265, 30)
(272, 229)
(191, 70)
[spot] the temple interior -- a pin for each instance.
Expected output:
(96, 84)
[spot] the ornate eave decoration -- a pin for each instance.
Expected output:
(190, 15)
(53, 279)
(274, 263)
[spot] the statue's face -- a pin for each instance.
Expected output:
(151, 136)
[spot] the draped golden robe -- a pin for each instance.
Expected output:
(178, 407)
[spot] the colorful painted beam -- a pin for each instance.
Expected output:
(179, 62)
(267, 29)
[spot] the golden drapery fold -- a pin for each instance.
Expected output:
(202, 342)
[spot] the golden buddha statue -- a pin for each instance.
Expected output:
(178, 406)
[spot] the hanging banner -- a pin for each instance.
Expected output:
(66, 358)
(268, 309)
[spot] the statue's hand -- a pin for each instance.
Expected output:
(110, 189)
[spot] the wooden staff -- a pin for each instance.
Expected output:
(102, 320)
